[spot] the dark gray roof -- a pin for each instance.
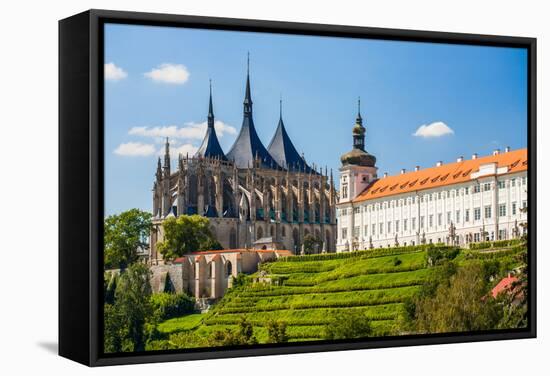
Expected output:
(210, 147)
(283, 151)
(247, 146)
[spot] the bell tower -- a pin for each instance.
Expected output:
(358, 166)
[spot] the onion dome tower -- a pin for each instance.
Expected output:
(282, 149)
(247, 147)
(358, 166)
(358, 156)
(210, 147)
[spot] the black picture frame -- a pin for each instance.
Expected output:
(81, 170)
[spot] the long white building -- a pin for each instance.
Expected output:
(468, 200)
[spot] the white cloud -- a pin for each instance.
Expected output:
(436, 129)
(113, 73)
(169, 74)
(135, 149)
(184, 150)
(191, 131)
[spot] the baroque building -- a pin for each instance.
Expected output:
(469, 200)
(255, 197)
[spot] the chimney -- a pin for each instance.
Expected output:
(385, 174)
(507, 149)
(474, 156)
(438, 164)
(460, 159)
(496, 152)
(403, 171)
(417, 168)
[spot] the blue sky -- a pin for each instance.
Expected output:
(469, 99)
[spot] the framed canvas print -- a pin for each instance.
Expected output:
(239, 187)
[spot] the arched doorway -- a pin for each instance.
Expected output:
(259, 233)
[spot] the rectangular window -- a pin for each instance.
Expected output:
(524, 180)
(413, 224)
(524, 204)
(467, 215)
(373, 228)
(502, 234)
(381, 228)
(501, 184)
(486, 187)
(389, 227)
(487, 211)
(344, 191)
(477, 214)
(448, 217)
(431, 196)
(344, 233)
(476, 237)
(366, 230)
(405, 224)
(502, 210)
(514, 208)
(357, 210)
(466, 191)
(440, 219)
(422, 221)
(431, 220)
(476, 188)
(512, 182)
(356, 231)
(439, 195)
(457, 216)
(397, 226)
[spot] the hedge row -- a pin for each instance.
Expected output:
(496, 254)
(221, 320)
(495, 244)
(310, 305)
(370, 253)
(349, 274)
(296, 290)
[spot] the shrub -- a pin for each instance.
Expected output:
(276, 331)
(351, 324)
(168, 305)
(396, 261)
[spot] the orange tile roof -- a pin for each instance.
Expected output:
(446, 174)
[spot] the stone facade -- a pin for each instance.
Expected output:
(207, 275)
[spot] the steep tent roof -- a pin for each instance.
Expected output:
(446, 174)
(210, 147)
(247, 146)
(283, 151)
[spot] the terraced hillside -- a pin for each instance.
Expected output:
(307, 292)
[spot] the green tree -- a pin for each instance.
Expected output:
(276, 331)
(124, 234)
(351, 323)
(184, 234)
(458, 306)
(242, 335)
(311, 243)
(125, 320)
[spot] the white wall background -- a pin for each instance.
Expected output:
(28, 210)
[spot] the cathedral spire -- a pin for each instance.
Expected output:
(210, 147)
(159, 170)
(248, 96)
(167, 158)
(210, 109)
